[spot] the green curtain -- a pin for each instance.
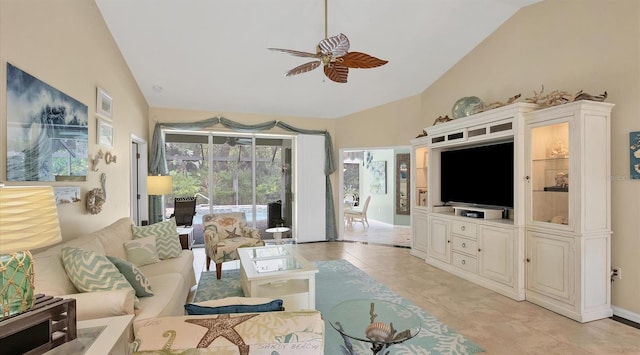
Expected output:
(158, 160)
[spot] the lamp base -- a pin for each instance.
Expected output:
(16, 283)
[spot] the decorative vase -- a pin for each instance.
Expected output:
(466, 106)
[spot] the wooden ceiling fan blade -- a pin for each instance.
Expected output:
(361, 60)
(295, 53)
(336, 45)
(336, 72)
(303, 68)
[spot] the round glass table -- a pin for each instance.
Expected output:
(277, 233)
(378, 322)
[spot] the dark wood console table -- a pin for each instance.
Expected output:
(50, 323)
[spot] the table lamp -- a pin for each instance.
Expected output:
(28, 220)
(159, 185)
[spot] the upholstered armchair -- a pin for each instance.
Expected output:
(224, 233)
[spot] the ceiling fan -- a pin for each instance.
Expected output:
(333, 53)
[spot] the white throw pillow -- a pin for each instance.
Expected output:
(142, 251)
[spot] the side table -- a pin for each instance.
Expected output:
(186, 237)
(277, 233)
(381, 323)
(98, 337)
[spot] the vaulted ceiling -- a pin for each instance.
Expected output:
(212, 54)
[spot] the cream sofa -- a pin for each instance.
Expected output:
(171, 279)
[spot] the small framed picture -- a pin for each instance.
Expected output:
(105, 133)
(104, 104)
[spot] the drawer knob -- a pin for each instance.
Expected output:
(528, 260)
(464, 245)
(448, 241)
(462, 228)
(479, 249)
(464, 261)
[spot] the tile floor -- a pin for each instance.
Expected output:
(496, 323)
(378, 233)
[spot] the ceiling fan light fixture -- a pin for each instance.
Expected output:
(333, 53)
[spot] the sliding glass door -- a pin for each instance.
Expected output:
(231, 173)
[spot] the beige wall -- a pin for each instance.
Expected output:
(67, 45)
(569, 45)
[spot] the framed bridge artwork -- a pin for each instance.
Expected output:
(47, 131)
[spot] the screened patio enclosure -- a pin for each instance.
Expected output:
(232, 173)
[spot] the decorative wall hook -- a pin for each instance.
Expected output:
(109, 158)
(95, 160)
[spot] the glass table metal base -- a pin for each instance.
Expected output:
(381, 323)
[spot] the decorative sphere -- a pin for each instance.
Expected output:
(466, 106)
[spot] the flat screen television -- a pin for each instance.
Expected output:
(481, 175)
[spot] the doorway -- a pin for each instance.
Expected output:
(139, 211)
(371, 173)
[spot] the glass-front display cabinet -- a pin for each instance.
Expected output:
(421, 156)
(550, 173)
(419, 214)
(568, 209)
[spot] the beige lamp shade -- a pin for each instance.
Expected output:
(28, 218)
(159, 185)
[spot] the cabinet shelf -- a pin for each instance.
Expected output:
(554, 189)
(550, 160)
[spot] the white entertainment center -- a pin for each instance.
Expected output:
(552, 247)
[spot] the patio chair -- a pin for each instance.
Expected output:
(224, 233)
(184, 209)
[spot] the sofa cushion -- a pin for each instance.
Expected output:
(134, 275)
(166, 234)
(234, 305)
(113, 236)
(91, 244)
(182, 265)
(170, 295)
(50, 276)
(102, 304)
(90, 271)
(142, 251)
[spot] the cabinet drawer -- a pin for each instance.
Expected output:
(464, 228)
(465, 245)
(465, 262)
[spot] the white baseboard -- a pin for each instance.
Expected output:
(623, 313)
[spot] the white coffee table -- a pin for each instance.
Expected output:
(277, 271)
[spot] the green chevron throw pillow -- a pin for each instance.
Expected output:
(134, 275)
(89, 271)
(166, 234)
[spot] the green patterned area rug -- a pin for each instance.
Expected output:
(339, 280)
